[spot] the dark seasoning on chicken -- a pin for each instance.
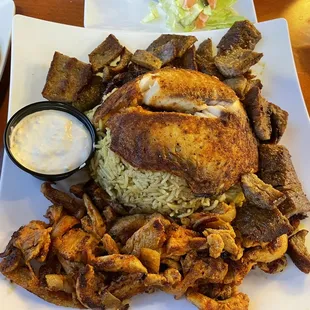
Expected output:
(93, 253)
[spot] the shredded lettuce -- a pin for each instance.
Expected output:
(179, 18)
(153, 15)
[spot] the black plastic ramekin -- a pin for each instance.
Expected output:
(40, 106)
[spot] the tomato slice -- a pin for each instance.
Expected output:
(201, 20)
(189, 3)
(212, 4)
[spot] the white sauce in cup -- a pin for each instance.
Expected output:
(50, 142)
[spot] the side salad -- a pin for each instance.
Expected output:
(189, 15)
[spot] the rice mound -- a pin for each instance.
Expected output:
(149, 191)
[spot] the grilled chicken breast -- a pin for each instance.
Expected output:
(210, 153)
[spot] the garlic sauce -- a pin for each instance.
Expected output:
(50, 142)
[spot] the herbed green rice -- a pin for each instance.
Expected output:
(149, 191)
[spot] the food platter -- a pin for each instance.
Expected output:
(7, 10)
(127, 15)
(21, 200)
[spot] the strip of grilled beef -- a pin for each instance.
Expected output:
(259, 193)
(298, 252)
(242, 34)
(236, 62)
(261, 225)
(276, 169)
(257, 108)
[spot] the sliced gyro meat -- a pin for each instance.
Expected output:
(242, 34)
(296, 202)
(188, 60)
(208, 67)
(236, 62)
(259, 193)
(122, 64)
(146, 60)
(258, 111)
(279, 118)
(276, 168)
(60, 198)
(181, 43)
(205, 50)
(298, 252)
(90, 95)
(166, 52)
(238, 84)
(105, 53)
(66, 78)
(252, 83)
(261, 225)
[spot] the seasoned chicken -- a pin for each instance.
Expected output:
(73, 245)
(151, 235)
(214, 270)
(11, 260)
(60, 198)
(180, 241)
(109, 244)
(150, 259)
(126, 286)
(33, 240)
(118, 263)
(126, 226)
(238, 301)
(87, 288)
(57, 282)
(64, 225)
(187, 146)
(54, 214)
(98, 224)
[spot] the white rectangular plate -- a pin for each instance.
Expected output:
(7, 10)
(127, 14)
(34, 43)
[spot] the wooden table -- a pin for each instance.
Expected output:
(297, 13)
